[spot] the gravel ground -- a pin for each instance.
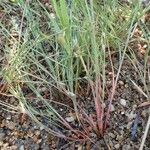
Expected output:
(15, 135)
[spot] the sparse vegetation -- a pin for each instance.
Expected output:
(51, 52)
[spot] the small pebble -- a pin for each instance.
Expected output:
(111, 144)
(103, 105)
(122, 113)
(117, 146)
(8, 117)
(2, 135)
(2, 124)
(112, 135)
(112, 108)
(126, 147)
(13, 100)
(5, 145)
(42, 128)
(21, 147)
(121, 82)
(39, 141)
(13, 147)
(70, 119)
(52, 15)
(144, 113)
(61, 109)
(11, 125)
(1, 143)
(30, 133)
(37, 133)
(131, 115)
(119, 137)
(35, 127)
(42, 89)
(123, 102)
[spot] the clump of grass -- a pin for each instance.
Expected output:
(15, 56)
(72, 42)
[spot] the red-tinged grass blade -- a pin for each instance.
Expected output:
(111, 95)
(98, 104)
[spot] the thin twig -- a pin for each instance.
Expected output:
(145, 133)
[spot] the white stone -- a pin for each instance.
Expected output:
(42, 128)
(121, 82)
(52, 15)
(117, 146)
(61, 109)
(103, 105)
(122, 113)
(123, 102)
(70, 119)
(112, 108)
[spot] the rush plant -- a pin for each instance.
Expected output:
(57, 49)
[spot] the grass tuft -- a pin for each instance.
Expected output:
(58, 47)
